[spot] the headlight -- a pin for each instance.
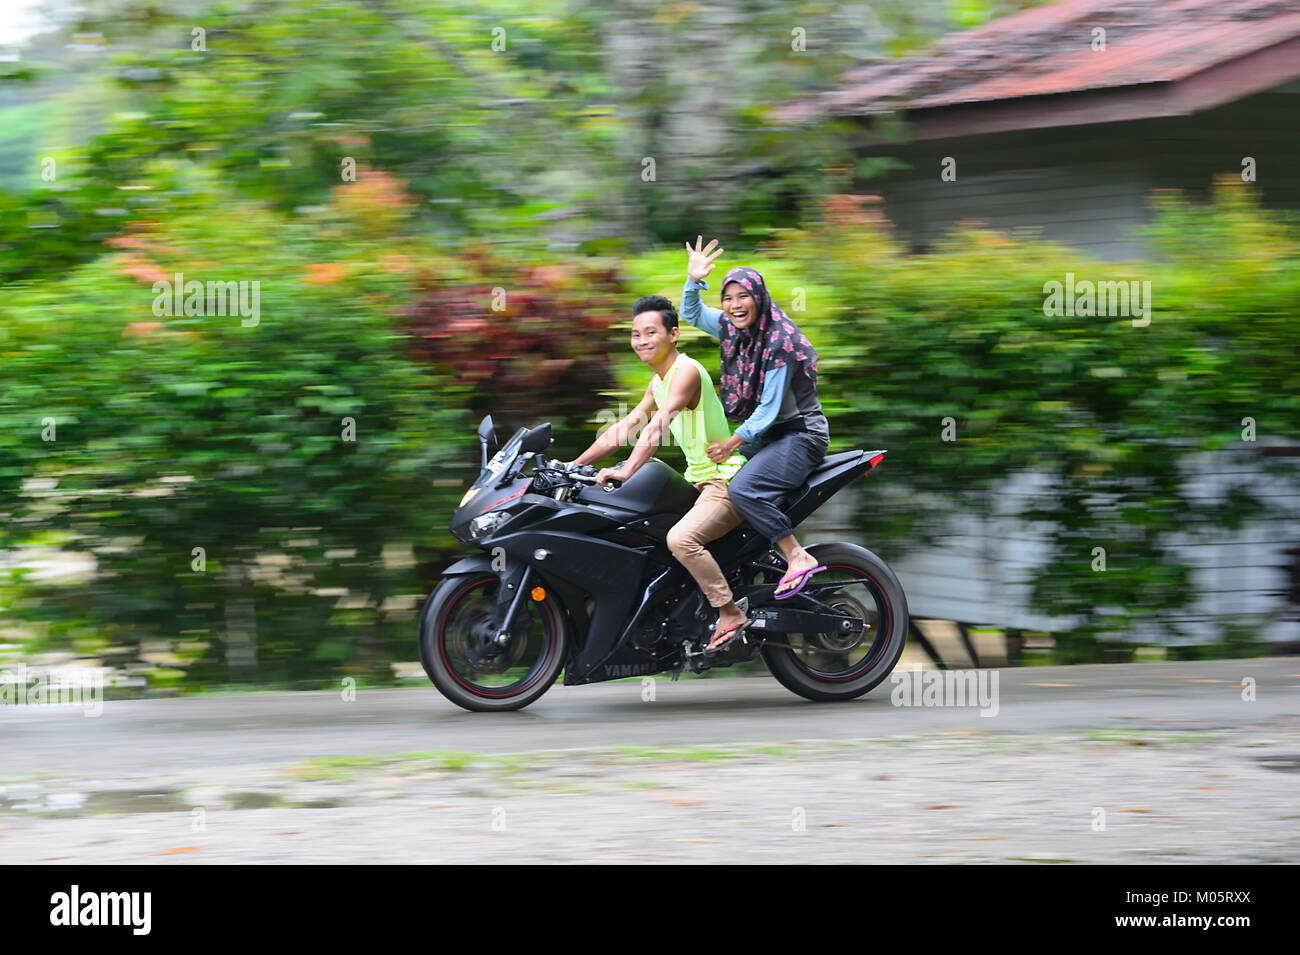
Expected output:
(485, 524)
(468, 495)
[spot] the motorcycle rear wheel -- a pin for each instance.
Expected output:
(830, 667)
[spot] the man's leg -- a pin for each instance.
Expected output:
(712, 516)
(777, 469)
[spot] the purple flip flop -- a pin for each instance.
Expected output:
(806, 574)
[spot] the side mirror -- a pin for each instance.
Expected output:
(538, 439)
(486, 434)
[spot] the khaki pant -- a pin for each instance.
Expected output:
(712, 516)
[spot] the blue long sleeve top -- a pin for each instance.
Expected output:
(705, 318)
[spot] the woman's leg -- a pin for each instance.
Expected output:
(775, 470)
(797, 560)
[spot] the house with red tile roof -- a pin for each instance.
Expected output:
(1060, 121)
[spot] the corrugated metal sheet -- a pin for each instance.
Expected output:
(1048, 51)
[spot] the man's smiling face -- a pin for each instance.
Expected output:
(649, 339)
(740, 306)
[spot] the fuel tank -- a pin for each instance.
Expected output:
(656, 488)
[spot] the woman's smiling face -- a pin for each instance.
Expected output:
(739, 304)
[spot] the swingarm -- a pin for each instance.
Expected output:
(788, 620)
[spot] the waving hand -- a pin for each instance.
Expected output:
(700, 261)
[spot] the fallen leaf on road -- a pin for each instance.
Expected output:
(167, 852)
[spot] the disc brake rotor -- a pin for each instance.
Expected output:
(482, 652)
(843, 642)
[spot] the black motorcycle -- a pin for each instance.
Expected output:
(578, 576)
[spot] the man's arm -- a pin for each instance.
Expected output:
(684, 389)
(615, 436)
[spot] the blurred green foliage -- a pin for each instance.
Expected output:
(619, 123)
(155, 436)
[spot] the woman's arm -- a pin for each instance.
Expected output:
(759, 421)
(768, 406)
(703, 317)
(699, 263)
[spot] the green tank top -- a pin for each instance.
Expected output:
(694, 430)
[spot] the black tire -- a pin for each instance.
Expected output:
(452, 625)
(870, 585)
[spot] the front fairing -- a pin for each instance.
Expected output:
(492, 488)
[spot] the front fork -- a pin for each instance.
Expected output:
(514, 584)
(514, 592)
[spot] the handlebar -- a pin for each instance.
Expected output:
(591, 479)
(583, 474)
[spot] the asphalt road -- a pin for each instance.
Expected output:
(140, 736)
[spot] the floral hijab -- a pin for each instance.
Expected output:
(750, 354)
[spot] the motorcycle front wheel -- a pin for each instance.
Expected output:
(461, 656)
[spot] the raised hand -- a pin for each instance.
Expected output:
(700, 261)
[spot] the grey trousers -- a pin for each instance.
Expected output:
(774, 469)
